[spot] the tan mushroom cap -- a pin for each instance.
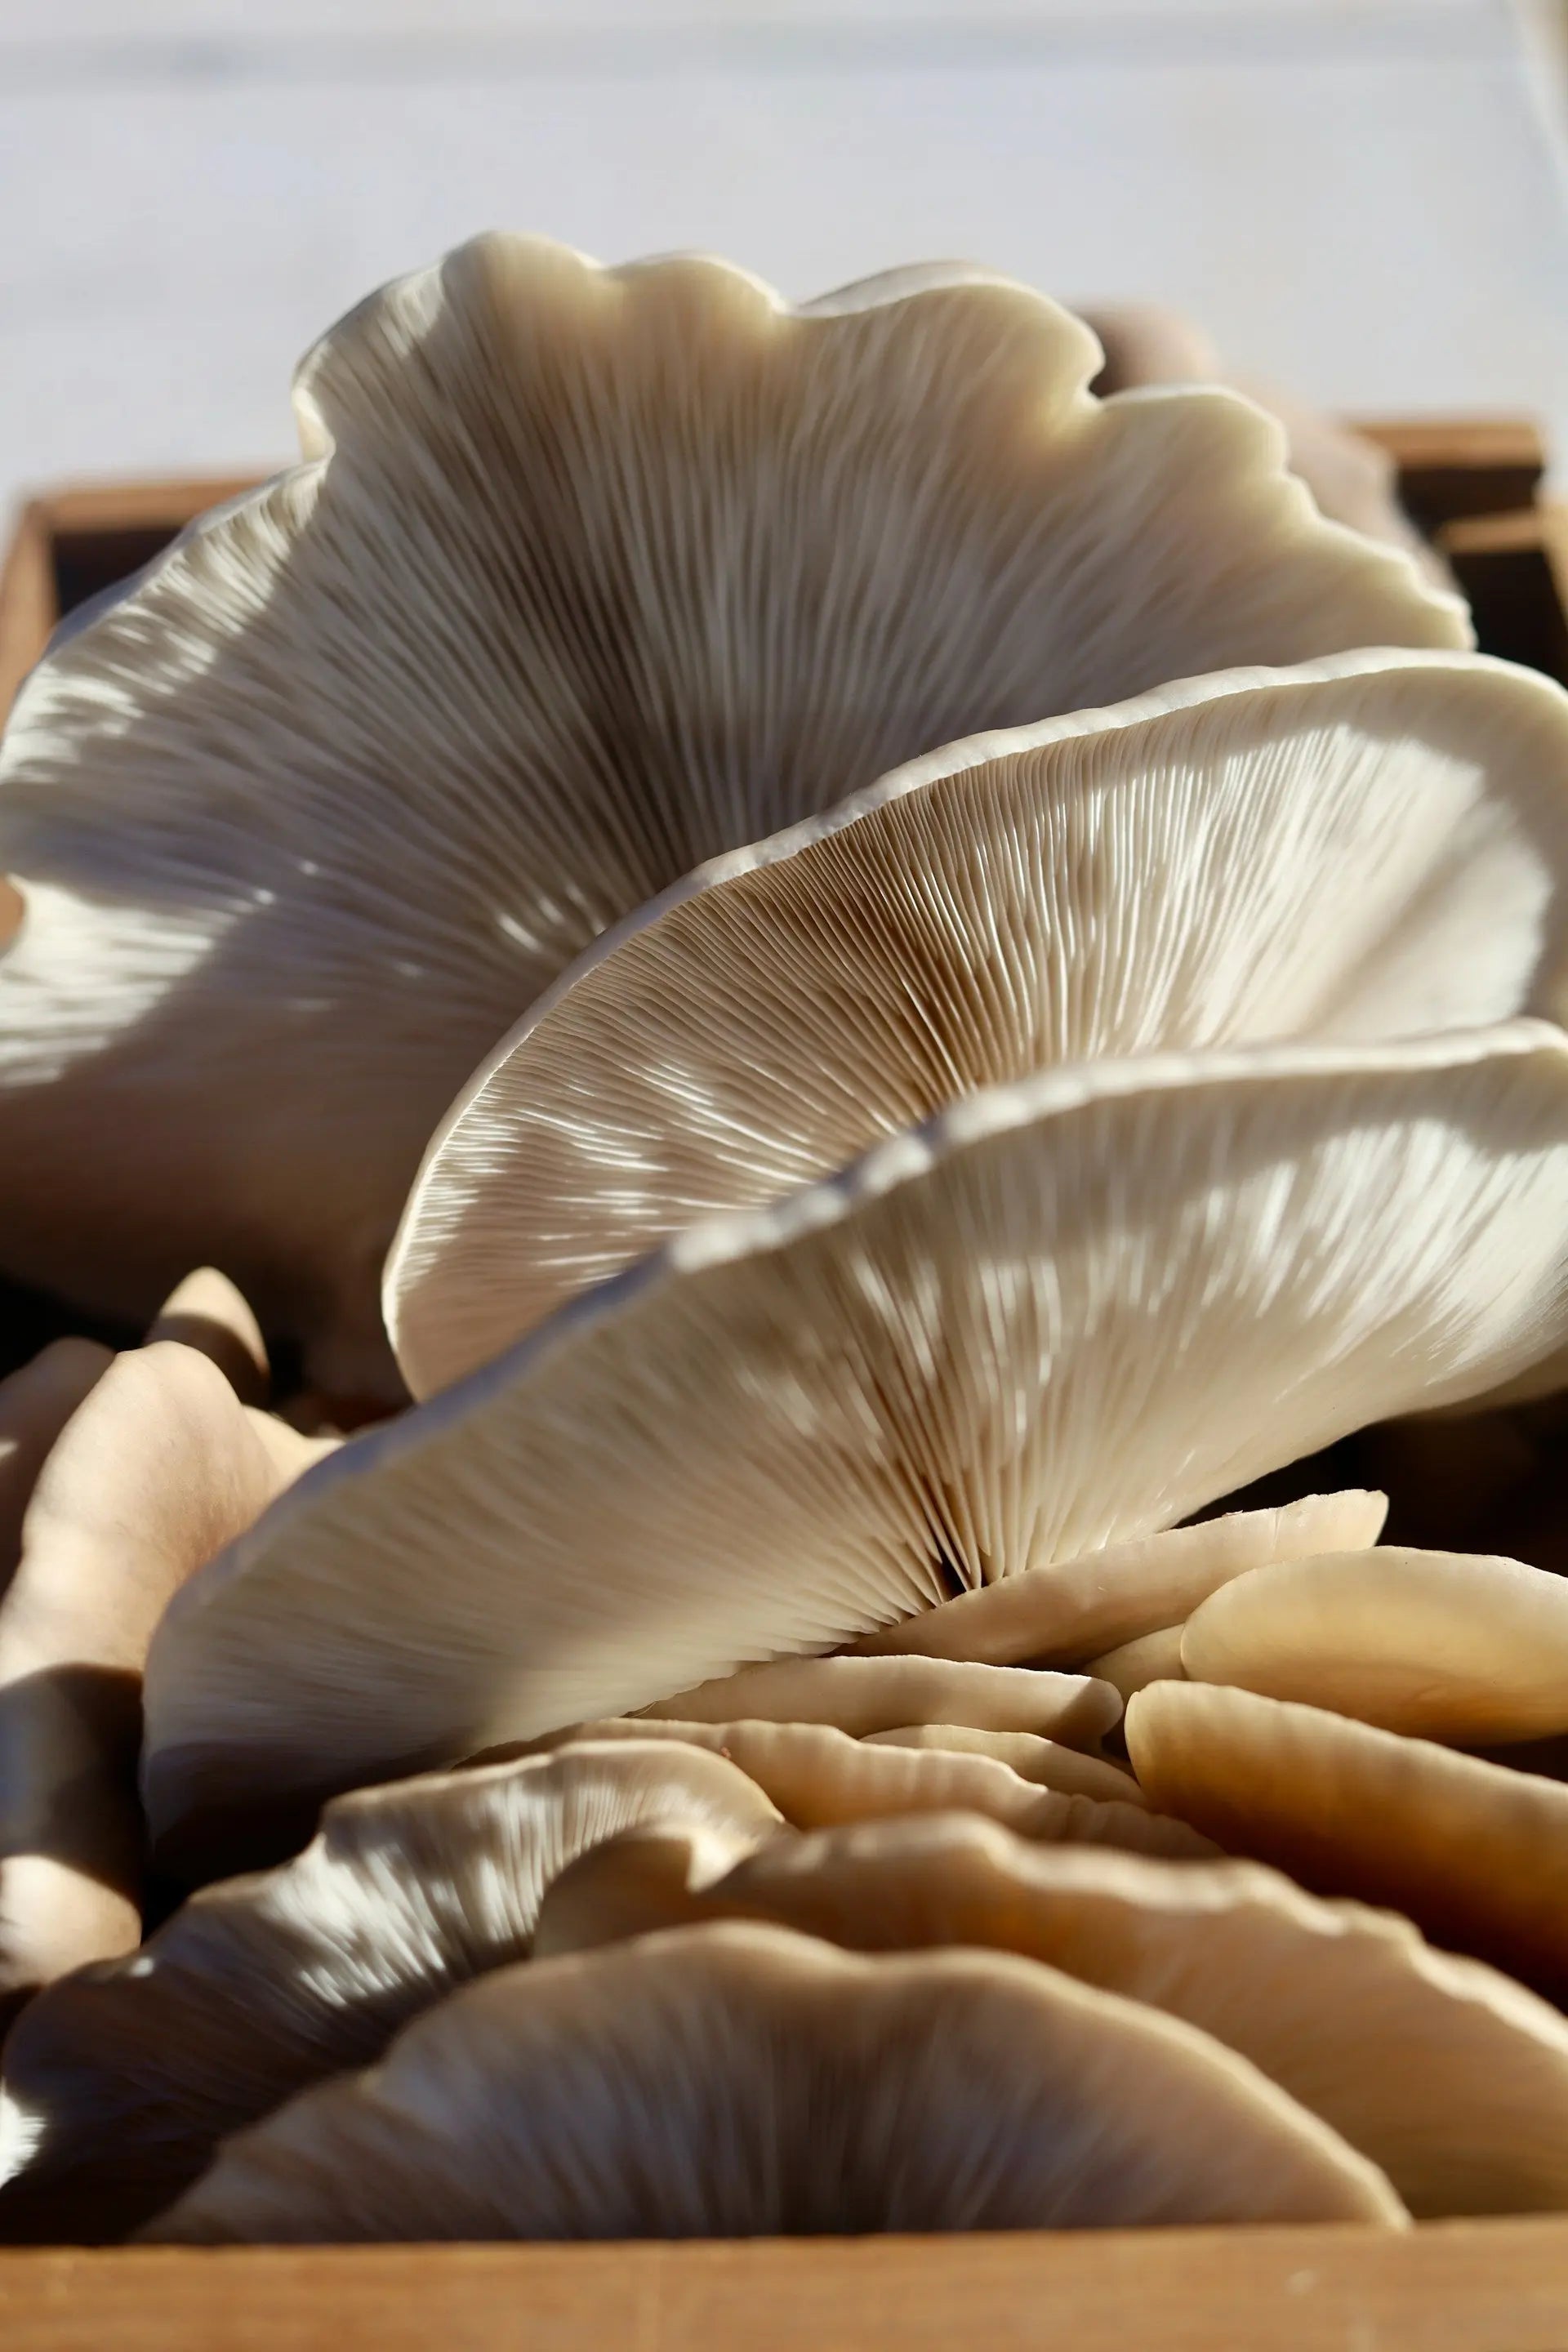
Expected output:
(1152, 1658)
(1352, 480)
(35, 1404)
(1448, 2076)
(589, 574)
(156, 1470)
(1447, 1646)
(1067, 1312)
(820, 1778)
(121, 2082)
(1477, 1855)
(1118, 882)
(1105, 1597)
(205, 1311)
(1045, 1763)
(744, 2082)
(865, 1694)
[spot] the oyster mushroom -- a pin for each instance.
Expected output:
(1068, 1312)
(1352, 480)
(588, 575)
(1044, 1761)
(819, 1777)
(1447, 1646)
(35, 1402)
(159, 1467)
(865, 1694)
(1152, 1658)
(206, 1312)
(1110, 1597)
(1124, 881)
(1475, 1854)
(745, 2082)
(121, 2082)
(1448, 2076)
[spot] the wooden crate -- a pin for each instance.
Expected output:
(1478, 2286)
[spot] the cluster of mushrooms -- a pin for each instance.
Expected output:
(827, 990)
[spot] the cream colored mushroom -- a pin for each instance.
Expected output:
(866, 1694)
(744, 2082)
(1475, 1854)
(1447, 1646)
(159, 1467)
(1124, 881)
(819, 1777)
(588, 575)
(35, 1402)
(121, 2082)
(1065, 1313)
(1044, 1761)
(1110, 1597)
(1448, 2076)
(206, 1312)
(1152, 1658)
(1352, 480)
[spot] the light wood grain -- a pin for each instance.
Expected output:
(1476, 2287)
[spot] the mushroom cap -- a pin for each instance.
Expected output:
(820, 1778)
(121, 2082)
(1475, 1854)
(1152, 1658)
(589, 574)
(205, 1311)
(1067, 1312)
(35, 1402)
(1448, 2076)
(1046, 1762)
(159, 1467)
(1116, 882)
(744, 2082)
(865, 1694)
(1447, 1646)
(1110, 1597)
(1351, 478)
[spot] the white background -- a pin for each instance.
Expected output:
(1361, 199)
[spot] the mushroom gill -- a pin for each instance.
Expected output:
(588, 575)
(1449, 2077)
(747, 2081)
(1065, 1313)
(122, 2081)
(1117, 882)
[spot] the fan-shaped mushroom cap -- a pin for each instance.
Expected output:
(1065, 1312)
(35, 1404)
(121, 2082)
(1152, 1658)
(589, 575)
(1044, 1761)
(1446, 2074)
(819, 1777)
(1448, 1645)
(1107, 1597)
(1126, 881)
(1352, 480)
(1475, 1854)
(159, 1468)
(741, 2081)
(863, 1694)
(206, 1312)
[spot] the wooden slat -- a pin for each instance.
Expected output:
(1464, 465)
(1511, 567)
(1499, 2287)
